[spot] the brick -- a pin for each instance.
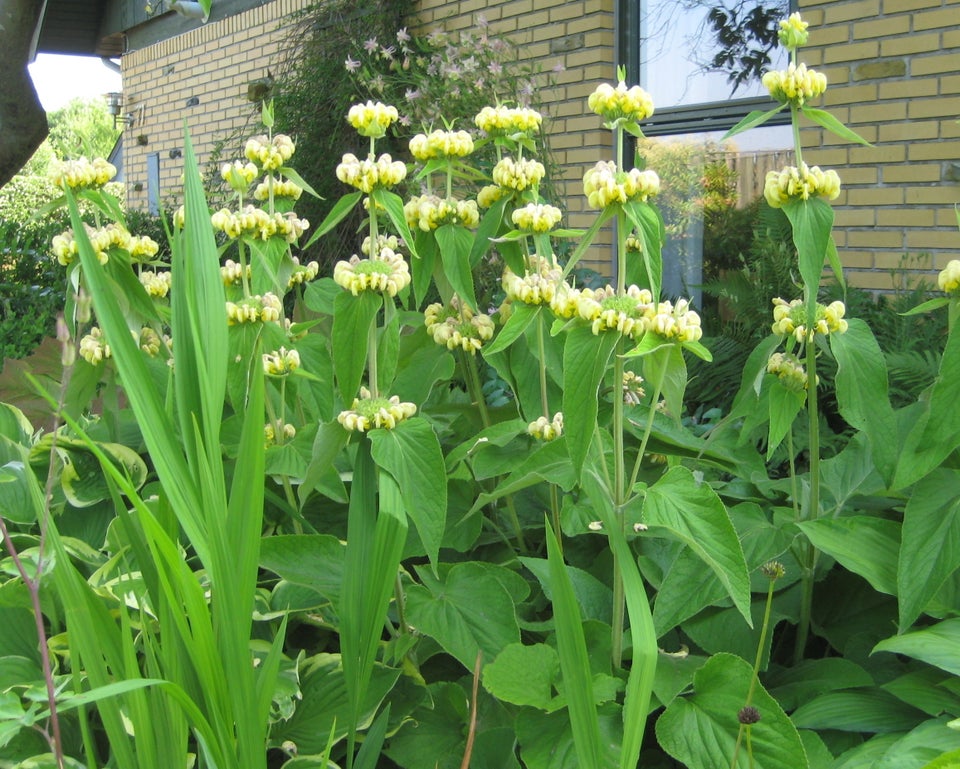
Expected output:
(933, 238)
(854, 52)
(885, 27)
(911, 88)
(859, 175)
(877, 112)
(933, 65)
(851, 259)
(907, 217)
(875, 238)
(945, 18)
(855, 217)
(950, 84)
(911, 173)
(936, 150)
(927, 108)
(847, 11)
(881, 68)
(881, 196)
(851, 94)
(938, 195)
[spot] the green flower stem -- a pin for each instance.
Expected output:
(278, 434)
(795, 122)
(475, 389)
(545, 407)
(809, 561)
(242, 254)
(764, 629)
(657, 389)
(372, 373)
(619, 496)
(794, 490)
(399, 598)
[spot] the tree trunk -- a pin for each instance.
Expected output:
(23, 123)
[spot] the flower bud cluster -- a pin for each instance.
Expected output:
(674, 322)
(303, 273)
(801, 183)
(544, 429)
(518, 174)
(367, 412)
(441, 144)
(281, 362)
(507, 121)
(537, 286)
(490, 194)
(604, 185)
(632, 104)
(269, 154)
(387, 273)
(93, 347)
(289, 432)
(633, 391)
(429, 212)
(790, 318)
(255, 309)
(949, 278)
(372, 119)
(103, 239)
(537, 217)
(789, 371)
(383, 241)
(606, 311)
(368, 174)
(256, 223)
(793, 32)
(795, 85)
(282, 188)
(157, 284)
(239, 175)
(81, 173)
(231, 272)
(149, 341)
(457, 326)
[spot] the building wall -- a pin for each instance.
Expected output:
(893, 68)
(199, 77)
(577, 34)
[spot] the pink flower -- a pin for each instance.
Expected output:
(352, 65)
(403, 36)
(558, 68)
(371, 45)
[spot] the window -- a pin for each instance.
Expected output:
(701, 61)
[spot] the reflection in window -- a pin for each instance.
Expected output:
(701, 51)
(701, 61)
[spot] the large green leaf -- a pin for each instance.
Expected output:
(325, 704)
(937, 645)
(524, 675)
(546, 739)
(812, 220)
(793, 686)
(693, 513)
(311, 560)
(649, 228)
(861, 386)
(826, 120)
(467, 611)
(521, 317)
(455, 243)
(784, 406)
(863, 544)
(701, 730)
(411, 454)
(594, 598)
(585, 359)
(352, 320)
(21, 499)
(930, 542)
(937, 432)
(862, 710)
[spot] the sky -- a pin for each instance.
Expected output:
(58, 79)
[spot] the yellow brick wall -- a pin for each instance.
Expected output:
(213, 64)
(577, 34)
(893, 68)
